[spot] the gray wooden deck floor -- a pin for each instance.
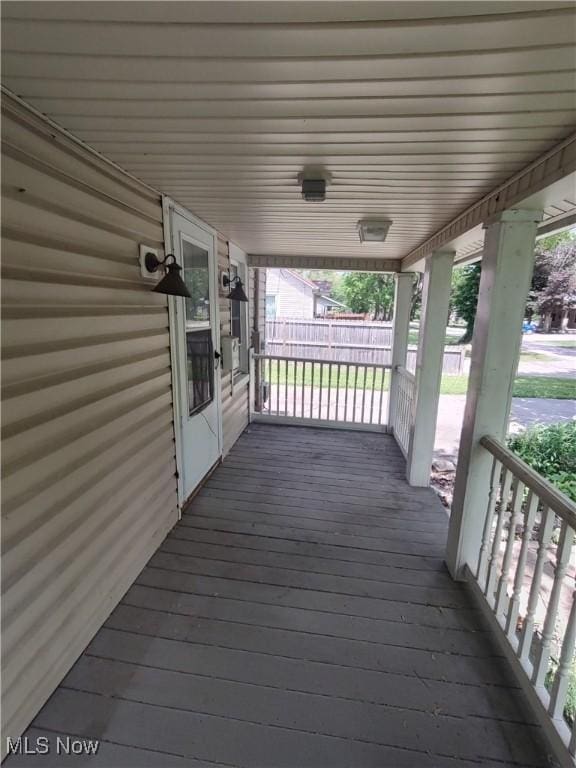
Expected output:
(299, 615)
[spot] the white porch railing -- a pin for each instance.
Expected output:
(322, 392)
(402, 416)
(524, 578)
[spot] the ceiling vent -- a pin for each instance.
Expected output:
(314, 190)
(373, 231)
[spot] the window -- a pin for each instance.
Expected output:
(199, 349)
(270, 307)
(239, 318)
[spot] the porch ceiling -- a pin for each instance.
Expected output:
(416, 110)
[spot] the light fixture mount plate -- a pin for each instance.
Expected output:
(146, 262)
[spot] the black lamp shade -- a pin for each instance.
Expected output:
(172, 284)
(237, 293)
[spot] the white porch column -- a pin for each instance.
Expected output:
(507, 266)
(402, 303)
(433, 319)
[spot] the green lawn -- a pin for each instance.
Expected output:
(543, 386)
(524, 386)
(527, 356)
(450, 340)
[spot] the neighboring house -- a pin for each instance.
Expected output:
(290, 295)
(325, 305)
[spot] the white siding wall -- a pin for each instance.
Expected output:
(89, 488)
(293, 298)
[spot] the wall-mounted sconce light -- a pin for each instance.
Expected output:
(171, 284)
(237, 291)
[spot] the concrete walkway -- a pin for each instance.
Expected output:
(525, 412)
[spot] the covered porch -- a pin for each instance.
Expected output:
(300, 614)
(312, 605)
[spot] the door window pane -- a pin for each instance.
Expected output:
(196, 275)
(200, 369)
(199, 348)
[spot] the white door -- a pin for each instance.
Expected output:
(197, 339)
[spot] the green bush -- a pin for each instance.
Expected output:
(570, 706)
(551, 451)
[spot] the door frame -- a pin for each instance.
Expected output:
(169, 207)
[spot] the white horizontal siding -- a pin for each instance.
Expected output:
(88, 462)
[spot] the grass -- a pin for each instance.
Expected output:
(450, 339)
(524, 386)
(543, 386)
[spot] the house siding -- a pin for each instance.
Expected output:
(294, 299)
(89, 486)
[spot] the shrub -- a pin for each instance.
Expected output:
(551, 451)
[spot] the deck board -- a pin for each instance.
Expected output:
(299, 615)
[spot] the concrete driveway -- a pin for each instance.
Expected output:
(525, 412)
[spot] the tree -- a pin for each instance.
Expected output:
(367, 292)
(464, 299)
(553, 288)
(416, 300)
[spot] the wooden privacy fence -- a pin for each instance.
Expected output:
(524, 578)
(369, 343)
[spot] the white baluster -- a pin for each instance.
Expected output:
(346, 392)
(502, 592)
(530, 510)
(545, 534)
(355, 391)
(562, 558)
(338, 392)
(286, 387)
(362, 420)
(373, 372)
(380, 407)
(562, 678)
(495, 478)
(313, 367)
(321, 382)
(497, 541)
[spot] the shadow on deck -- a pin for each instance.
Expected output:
(298, 615)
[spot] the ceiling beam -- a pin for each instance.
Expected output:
(552, 166)
(324, 262)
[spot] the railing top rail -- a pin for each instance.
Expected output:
(259, 356)
(557, 501)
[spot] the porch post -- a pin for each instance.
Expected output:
(401, 328)
(507, 264)
(434, 317)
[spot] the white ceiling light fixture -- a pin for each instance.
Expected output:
(373, 230)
